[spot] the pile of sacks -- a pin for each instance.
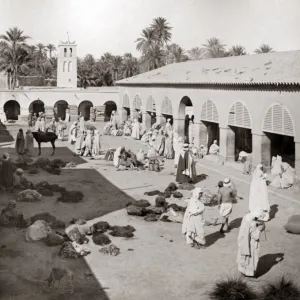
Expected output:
(160, 211)
(53, 167)
(77, 234)
(282, 174)
(43, 188)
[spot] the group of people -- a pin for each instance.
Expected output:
(86, 141)
(24, 144)
(252, 225)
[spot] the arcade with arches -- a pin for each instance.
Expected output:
(278, 126)
(126, 107)
(60, 108)
(239, 121)
(110, 106)
(150, 116)
(209, 126)
(184, 118)
(166, 111)
(84, 109)
(12, 109)
(37, 107)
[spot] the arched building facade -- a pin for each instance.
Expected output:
(242, 102)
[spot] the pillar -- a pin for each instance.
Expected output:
(197, 128)
(147, 120)
(179, 126)
(73, 113)
(297, 164)
(227, 145)
(24, 113)
(203, 134)
(261, 150)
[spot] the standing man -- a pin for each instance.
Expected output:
(226, 197)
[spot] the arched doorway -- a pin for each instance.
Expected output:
(60, 109)
(150, 117)
(12, 109)
(278, 126)
(126, 107)
(84, 109)
(166, 111)
(136, 109)
(209, 126)
(185, 113)
(109, 107)
(239, 121)
(37, 107)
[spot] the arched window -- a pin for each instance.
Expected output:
(278, 120)
(239, 116)
(65, 52)
(69, 66)
(70, 52)
(64, 66)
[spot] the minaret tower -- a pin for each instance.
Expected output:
(67, 64)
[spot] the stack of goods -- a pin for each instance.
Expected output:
(100, 112)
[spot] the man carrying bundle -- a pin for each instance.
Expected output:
(226, 197)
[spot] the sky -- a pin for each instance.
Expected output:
(113, 26)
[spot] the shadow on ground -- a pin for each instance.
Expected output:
(5, 136)
(267, 262)
(24, 266)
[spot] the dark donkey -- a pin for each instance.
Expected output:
(45, 137)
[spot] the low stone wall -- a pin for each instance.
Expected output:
(31, 81)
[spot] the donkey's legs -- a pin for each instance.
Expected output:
(39, 149)
(53, 146)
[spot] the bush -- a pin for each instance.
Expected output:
(282, 289)
(232, 289)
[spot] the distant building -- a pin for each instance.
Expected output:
(247, 103)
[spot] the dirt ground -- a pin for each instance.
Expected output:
(156, 263)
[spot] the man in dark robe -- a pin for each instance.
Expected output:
(6, 173)
(20, 141)
(186, 171)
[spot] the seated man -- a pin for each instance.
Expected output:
(214, 148)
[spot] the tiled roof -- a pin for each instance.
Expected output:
(276, 67)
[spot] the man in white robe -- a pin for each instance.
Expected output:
(193, 222)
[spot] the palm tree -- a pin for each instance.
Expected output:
(130, 65)
(162, 30)
(46, 70)
(116, 64)
(146, 40)
(41, 50)
(51, 48)
(101, 72)
(214, 48)
(14, 53)
(154, 58)
(176, 54)
(237, 51)
(264, 48)
(195, 53)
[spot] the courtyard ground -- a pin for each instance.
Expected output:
(156, 263)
